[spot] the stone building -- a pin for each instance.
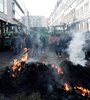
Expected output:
(75, 13)
(12, 11)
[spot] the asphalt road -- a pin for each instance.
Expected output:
(47, 57)
(6, 58)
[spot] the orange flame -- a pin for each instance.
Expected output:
(67, 87)
(83, 91)
(17, 63)
(24, 57)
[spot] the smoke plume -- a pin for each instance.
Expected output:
(76, 52)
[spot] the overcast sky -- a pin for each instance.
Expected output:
(40, 7)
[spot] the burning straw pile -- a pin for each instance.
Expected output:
(68, 82)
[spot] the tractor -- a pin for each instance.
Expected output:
(10, 33)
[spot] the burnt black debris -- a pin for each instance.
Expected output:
(38, 77)
(76, 75)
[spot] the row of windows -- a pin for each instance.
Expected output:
(18, 12)
(20, 2)
(80, 13)
(74, 13)
(84, 10)
(79, 1)
(58, 11)
(84, 26)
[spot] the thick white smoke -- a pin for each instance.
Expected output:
(76, 53)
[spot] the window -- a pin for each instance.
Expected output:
(89, 26)
(86, 7)
(5, 6)
(65, 1)
(78, 1)
(77, 13)
(18, 12)
(86, 26)
(1, 5)
(81, 10)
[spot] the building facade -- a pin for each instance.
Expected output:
(56, 16)
(12, 11)
(38, 21)
(72, 12)
(3, 14)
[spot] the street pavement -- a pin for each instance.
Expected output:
(6, 58)
(47, 57)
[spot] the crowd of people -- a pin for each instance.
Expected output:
(38, 47)
(37, 44)
(34, 44)
(59, 44)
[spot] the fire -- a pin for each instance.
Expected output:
(67, 87)
(25, 55)
(83, 91)
(16, 66)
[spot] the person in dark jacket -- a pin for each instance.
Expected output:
(28, 42)
(15, 45)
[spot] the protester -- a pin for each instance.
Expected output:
(15, 45)
(28, 42)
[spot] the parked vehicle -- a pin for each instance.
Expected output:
(9, 36)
